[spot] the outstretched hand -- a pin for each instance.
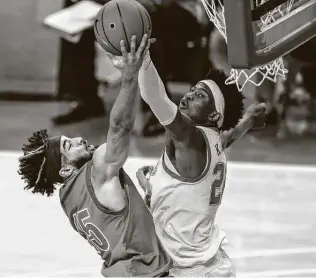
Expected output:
(258, 113)
(130, 63)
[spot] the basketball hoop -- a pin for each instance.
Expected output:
(267, 14)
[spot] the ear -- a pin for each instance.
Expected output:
(66, 171)
(214, 117)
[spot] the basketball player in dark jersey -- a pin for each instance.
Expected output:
(100, 200)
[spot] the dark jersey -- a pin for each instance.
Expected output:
(125, 240)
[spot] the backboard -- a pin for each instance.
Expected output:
(260, 31)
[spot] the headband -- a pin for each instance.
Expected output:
(53, 159)
(218, 99)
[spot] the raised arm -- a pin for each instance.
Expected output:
(153, 92)
(110, 157)
(254, 117)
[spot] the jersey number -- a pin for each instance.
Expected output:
(90, 232)
(218, 185)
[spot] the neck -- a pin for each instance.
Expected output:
(76, 164)
(207, 124)
(73, 165)
(211, 126)
(68, 170)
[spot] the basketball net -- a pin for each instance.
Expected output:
(240, 77)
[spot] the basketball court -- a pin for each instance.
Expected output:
(268, 212)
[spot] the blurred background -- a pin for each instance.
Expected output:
(47, 82)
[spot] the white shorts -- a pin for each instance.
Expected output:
(221, 266)
(224, 268)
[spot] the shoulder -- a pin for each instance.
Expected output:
(108, 195)
(213, 139)
(76, 181)
(209, 134)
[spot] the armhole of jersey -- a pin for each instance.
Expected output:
(63, 206)
(91, 193)
(190, 180)
(66, 188)
(223, 146)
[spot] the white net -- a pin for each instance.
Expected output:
(272, 71)
(272, 15)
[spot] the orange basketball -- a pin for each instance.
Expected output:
(120, 20)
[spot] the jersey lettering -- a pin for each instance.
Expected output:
(218, 151)
(90, 231)
(218, 184)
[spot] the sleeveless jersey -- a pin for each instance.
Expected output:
(125, 240)
(184, 209)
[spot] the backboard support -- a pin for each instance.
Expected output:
(253, 44)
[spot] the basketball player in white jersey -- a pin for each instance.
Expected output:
(187, 184)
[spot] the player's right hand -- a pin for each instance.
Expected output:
(258, 113)
(130, 63)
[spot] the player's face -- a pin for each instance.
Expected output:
(76, 149)
(198, 103)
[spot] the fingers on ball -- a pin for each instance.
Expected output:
(143, 42)
(133, 44)
(123, 48)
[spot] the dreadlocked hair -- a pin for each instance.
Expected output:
(234, 105)
(32, 163)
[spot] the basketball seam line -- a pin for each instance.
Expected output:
(102, 25)
(105, 37)
(149, 20)
(128, 43)
(141, 16)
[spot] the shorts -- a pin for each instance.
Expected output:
(221, 266)
(225, 267)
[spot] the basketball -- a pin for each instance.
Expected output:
(120, 20)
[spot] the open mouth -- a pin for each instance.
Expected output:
(183, 103)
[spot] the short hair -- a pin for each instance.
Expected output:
(234, 105)
(32, 163)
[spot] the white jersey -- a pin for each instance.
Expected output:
(184, 209)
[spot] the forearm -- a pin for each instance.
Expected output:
(153, 92)
(233, 135)
(123, 112)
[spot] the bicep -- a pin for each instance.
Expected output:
(226, 139)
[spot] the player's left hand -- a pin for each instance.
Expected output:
(257, 112)
(130, 62)
(143, 180)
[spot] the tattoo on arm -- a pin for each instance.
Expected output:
(122, 119)
(109, 160)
